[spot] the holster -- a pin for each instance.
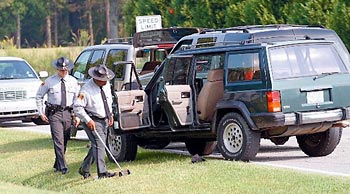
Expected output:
(51, 109)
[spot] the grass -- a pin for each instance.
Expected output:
(41, 58)
(26, 167)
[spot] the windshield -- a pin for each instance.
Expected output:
(305, 60)
(13, 69)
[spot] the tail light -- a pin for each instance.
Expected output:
(165, 46)
(273, 101)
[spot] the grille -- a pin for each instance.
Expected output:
(12, 95)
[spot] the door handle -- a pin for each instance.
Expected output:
(176, 102)
(185, 94)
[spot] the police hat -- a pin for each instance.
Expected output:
(62, 63)
(101, 72)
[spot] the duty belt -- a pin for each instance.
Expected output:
(55, 107)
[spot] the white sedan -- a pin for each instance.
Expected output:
(18, 86)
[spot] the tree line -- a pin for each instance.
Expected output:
(86, 22)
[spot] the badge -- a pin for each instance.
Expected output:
(81, 96)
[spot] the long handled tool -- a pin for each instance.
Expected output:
(122, 172)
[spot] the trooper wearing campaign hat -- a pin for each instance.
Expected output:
(94, 106)
(62, 63)
(61, 90)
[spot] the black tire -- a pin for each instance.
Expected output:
(38, 121)
(123, 147)
(320, 144)
(236, 141)
(200, 147)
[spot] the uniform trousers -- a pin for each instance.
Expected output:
(97, 150)
(60, 123)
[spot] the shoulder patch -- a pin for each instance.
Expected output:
(81, 96)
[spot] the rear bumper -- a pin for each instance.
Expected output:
(268, 120)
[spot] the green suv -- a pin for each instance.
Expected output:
(239, 85)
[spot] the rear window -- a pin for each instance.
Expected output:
(305, 60)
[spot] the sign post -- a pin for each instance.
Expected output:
(151, 22)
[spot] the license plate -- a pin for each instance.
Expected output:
(315, 97)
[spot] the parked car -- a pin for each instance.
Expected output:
(146, 49)
(272, 82)
(18, 86)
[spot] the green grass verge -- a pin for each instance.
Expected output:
(26, 165)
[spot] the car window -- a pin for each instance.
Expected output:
(305, 60)
(142, 57)
(206, 42)
(206, 62)
(97, 58)
(115, 55)
(176, 72)
(243, 67)
(16, 70)
(81, 64)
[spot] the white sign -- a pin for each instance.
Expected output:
(150, 22)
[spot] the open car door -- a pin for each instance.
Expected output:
(176, 96)
(179, 98)
(131, 104)
(132, 109)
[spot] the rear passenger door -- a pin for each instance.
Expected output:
(176, 95)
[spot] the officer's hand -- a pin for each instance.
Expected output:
(76, 121)
(44, 118)
(91, 125)
(110, 121)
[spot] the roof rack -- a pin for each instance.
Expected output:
(125, 40)
(250, 41)
(248, 29)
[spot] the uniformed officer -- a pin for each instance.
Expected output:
(61, 89)
(93, 107)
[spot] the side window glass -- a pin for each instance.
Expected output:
(97, 58)
(176, 71)
(181, 70)
(243, 67)
(205, 63)
(80, 66)
(115, 55)
(206, 42)
(168, 71)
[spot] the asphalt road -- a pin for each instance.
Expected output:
(285, 156)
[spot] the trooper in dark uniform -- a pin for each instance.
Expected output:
(61, 89)
(93, 107)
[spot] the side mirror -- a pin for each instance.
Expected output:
(79, 76)
(43, 74)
